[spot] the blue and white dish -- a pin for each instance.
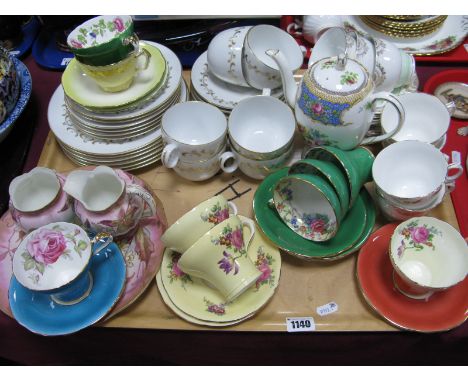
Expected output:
(37, 312)
(25, 92)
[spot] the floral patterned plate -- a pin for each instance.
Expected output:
(442, 311)
(142, 253)
(452, 33)
(206, 305)
(40, 314)
(347, 238)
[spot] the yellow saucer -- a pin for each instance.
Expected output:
(86, 92)
(205, 305)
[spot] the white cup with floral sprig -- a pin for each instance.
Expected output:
(55, 258)
(428, 255)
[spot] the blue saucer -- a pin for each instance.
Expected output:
(38, 313)
(25, 93)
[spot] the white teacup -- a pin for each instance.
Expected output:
(198, 170)
(192, 131)
(261, 127)
(259, 169)
(412, 173)
(225, 55)
(195, 223)
(259, 69)
(220, 258)
(314, 26)
(428, 255)
(427, 119)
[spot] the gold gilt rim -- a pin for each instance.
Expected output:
(406, 25)
(405, 17)
(400, 33)
(412, 31)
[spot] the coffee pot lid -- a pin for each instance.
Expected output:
(339, 75)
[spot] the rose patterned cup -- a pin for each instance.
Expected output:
(190, 227)
(220, 258)
(55, 258)
(37, 198)
(428, 255)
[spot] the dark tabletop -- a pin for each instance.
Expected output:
(103, 346)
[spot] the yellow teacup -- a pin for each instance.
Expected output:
(199, 220)
(119, 76)
(220, 258)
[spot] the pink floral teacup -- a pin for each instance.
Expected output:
(37, 198)
(428, 255)
(220, 258)
(190, 227)
(104, 203)
(55, 258)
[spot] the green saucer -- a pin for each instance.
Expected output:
(354, 229)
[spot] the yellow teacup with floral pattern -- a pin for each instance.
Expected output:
(194, 224)
(220, 258)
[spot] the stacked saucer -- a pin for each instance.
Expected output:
(405, 26)
(193, 300)
(121, 129)
(206, 87)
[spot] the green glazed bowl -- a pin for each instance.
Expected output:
(329, 172)
(355, 164)
(103, 40)
(308, 205)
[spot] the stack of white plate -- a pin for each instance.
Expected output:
(121, 129)
(207, 87)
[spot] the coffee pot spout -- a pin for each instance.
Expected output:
(287, 75)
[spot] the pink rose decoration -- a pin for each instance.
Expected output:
(47, 246)
(119, 25)
(266, 272)
(317, 226)
(223, 215)
(420, 234)
(177, 271)
(237, 239)
(76, 44)
(317, 108)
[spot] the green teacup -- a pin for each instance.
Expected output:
(356, 164)
(103, 40)
(308, 205)
(329, 172)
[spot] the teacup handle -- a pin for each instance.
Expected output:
(385, 96)
(232, 207)
(144, 194)
(228, 162)
(135, 42)
(452, 178)
(104, 239)
(147, 56)
(246, 222)
(170, 155)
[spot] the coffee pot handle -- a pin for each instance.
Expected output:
(385, 96)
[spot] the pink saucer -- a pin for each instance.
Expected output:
(142, 253)
(443, 311)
